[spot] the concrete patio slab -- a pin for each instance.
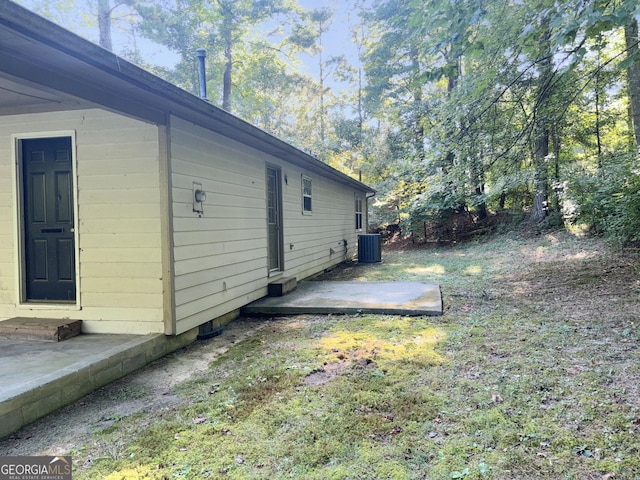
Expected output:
(385, 298)
(39, 377)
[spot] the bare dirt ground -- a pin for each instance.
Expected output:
(147, 390)
(599, 292)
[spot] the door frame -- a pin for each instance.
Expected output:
(278, 170)
(19, 236)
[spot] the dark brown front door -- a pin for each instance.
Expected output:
(48, 219)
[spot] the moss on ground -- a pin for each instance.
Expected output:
(529, 374)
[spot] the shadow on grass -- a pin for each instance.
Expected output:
(505, 385)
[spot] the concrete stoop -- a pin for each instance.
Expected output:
(25, 401)
(282, 286)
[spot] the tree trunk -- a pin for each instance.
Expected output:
(482, 207)
(503, 200)
(322, 108)
(360, 110)
(555, 142)
(452, 79)
(477, 180)
(597, 102)
(541, 182)
(633, 72)
(226, 79)
(417, 110)
(104, 24)
(542, 131)
(450, 157)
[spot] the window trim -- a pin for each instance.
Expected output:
(306, 196)
(359, 213)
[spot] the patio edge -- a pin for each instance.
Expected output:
(26, 406)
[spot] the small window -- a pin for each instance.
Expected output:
(358, 212)
(306, 195)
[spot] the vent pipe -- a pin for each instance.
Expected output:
(201, 53)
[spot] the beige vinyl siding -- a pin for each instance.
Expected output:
(118, 224)
(220, 258)
(7, 263)
(318, 238)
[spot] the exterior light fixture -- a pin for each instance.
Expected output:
(200, 196)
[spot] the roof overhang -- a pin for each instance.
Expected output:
(44, 67)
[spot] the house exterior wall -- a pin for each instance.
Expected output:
(323, 238)
(220, 256)
(118, 225)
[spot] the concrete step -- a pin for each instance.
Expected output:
(282, 286)
(46, 329)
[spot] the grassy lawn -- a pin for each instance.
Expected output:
(533, 372)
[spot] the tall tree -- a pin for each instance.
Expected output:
(394, 71)
(104, 24)
(633, 74)
(542, 124)
(308, 34)
(321, 20)
(220, 26)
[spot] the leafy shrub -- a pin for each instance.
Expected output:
(607, 199)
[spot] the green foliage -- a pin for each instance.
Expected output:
(608, 199)
(466, 106)
(221, 27)
(592, 19)
(514, 96)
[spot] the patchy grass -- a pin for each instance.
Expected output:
(533, 372)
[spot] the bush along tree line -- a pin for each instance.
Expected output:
(457, 112)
